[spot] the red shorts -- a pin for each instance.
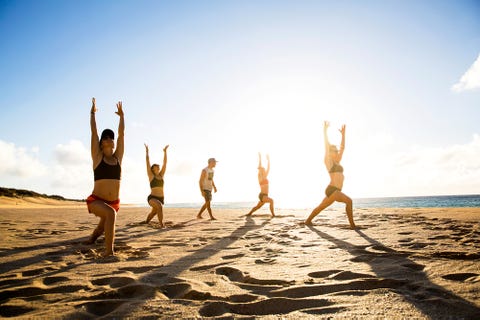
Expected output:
(115, 204)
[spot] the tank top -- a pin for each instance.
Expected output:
(208, 181)
(106, 171)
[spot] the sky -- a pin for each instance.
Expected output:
(229, 79)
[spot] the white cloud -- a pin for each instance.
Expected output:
(20, 162)
(470, 80)
(72, 153)
(413, 171)
(71, 173)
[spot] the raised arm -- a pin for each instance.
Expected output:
(326, 124)
(95, 141)
(268, 166)
(149, 167)
(259, 160)
(342, 144)
(164, 166)
(121, 130)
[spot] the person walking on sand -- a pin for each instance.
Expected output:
(206, 185)
(156, 197)
(104, 201)
(263, 181)
(333, 192)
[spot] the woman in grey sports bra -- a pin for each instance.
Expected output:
(333, 192)
(156, 197)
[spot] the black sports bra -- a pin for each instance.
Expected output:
(156, 182)
(107, 171)
(336, 168)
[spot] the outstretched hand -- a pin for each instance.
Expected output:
(146, 147)
(94, 107)
(119, 109)
(166, 147)
(326, 124)
(342, 130)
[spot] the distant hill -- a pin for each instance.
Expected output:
(20, 193)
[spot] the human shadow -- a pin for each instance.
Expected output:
(404, 276)
(164, 278)
(187, 261)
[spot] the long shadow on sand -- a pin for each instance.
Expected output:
(404, 276)
(186, 262)
(164, 278)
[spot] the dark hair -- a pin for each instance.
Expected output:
(153, 165)
(107, 133)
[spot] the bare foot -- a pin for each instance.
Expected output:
(199, 217)
(212, 218)
(89, 241)
(308, 223)
(108, 254)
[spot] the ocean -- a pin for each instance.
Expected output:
(452, 201)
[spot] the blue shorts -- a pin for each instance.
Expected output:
(207, 194)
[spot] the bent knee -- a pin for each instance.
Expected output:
(349, 201)
(111, 213)
(155, 204)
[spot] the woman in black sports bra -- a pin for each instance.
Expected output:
(104, 201)
(333, 192)
(156, 197)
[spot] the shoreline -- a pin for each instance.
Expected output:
(460, 213)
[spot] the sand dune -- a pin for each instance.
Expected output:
(400, 263)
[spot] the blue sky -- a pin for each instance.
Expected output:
(231, 78)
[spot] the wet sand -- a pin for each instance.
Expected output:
(399, 263)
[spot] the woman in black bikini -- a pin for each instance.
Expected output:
(156, 197)
(333, 192)
(104, 201)
(263, 181)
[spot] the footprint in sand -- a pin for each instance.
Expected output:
(131, 292)
(265, 261)
(323, 274)
(414, 266)
(52, 280)
(459, 276)
(9, 311)
(113, 282)
(33, 272)
(273, 306)
(140, 269)
(457, 255)
(100, 308)
(348, 275)
(34, 291)
(233, 256)
(236, 275)
(208, 266)
(339, 275)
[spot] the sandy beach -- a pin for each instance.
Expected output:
(399, 264)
